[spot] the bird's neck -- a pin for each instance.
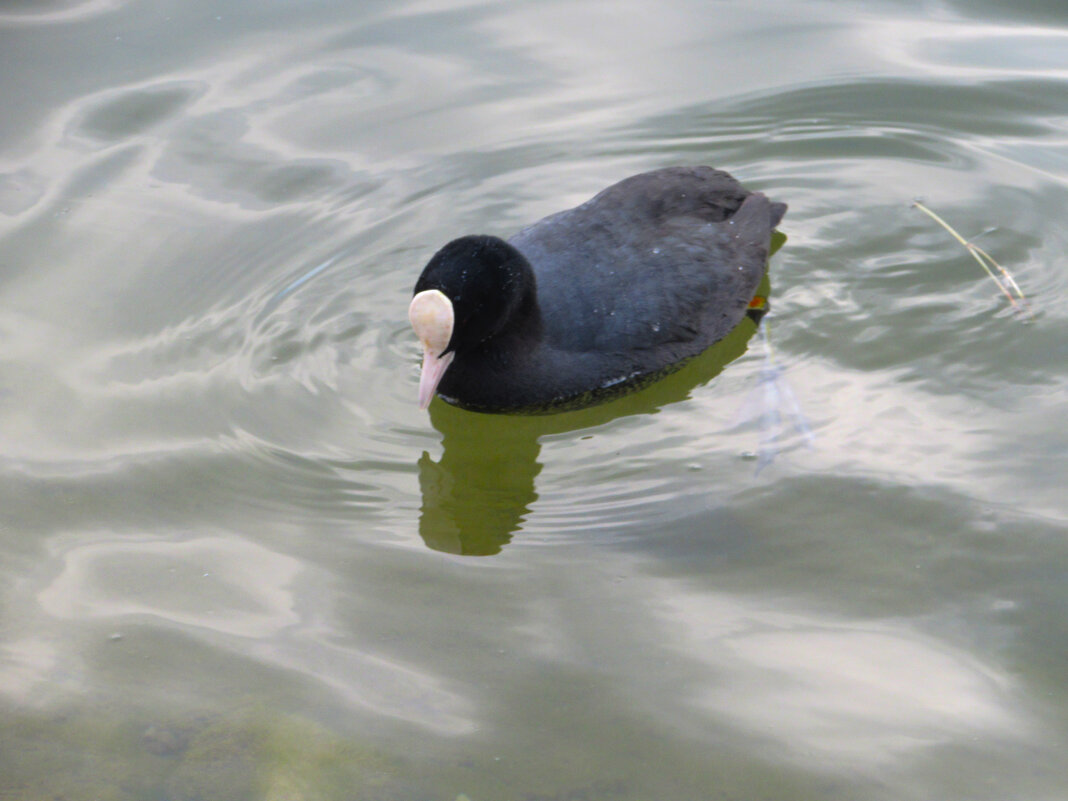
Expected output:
(524, 325)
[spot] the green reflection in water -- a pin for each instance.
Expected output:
(246, 754)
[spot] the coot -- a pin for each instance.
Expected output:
(594, 301)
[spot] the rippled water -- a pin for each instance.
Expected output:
(238, 562)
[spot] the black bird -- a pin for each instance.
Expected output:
(594, 301)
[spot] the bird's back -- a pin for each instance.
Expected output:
(670, 256)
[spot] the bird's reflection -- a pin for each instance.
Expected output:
(481, 491)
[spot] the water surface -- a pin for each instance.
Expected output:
(238, 562)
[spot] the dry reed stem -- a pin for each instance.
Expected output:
(987, 262)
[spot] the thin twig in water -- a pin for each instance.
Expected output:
(987, 262)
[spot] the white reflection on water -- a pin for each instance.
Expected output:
(385, 686)
(242, 591)
(23, 663)
(52, 11)
(226, 585)
(840, 692)
(974, 50)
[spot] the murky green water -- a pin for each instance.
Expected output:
(236, 561)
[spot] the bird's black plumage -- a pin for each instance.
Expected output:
(591, 301)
